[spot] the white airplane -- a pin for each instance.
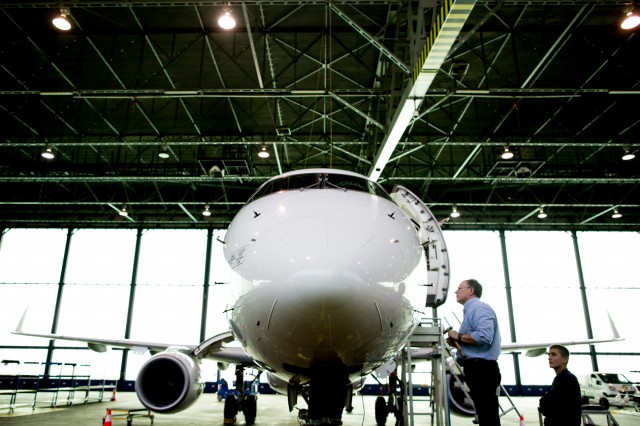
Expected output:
(331, 273)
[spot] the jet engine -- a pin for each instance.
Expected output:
(169, 382)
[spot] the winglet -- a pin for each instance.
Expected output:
(21, 323)
(614, 330)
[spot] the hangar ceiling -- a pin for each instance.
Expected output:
(424, 94)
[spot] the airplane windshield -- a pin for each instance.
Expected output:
(303, 182)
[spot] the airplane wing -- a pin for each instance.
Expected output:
(213, 348)
(532, 349)
(537, 349)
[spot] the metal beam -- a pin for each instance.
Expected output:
(449, 22)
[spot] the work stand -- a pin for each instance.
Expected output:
(428, 342)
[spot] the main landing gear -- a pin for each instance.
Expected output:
(243, 400)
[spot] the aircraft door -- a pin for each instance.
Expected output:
(432, 240)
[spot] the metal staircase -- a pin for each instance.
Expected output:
(427, 344)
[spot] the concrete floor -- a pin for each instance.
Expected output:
(272, 411)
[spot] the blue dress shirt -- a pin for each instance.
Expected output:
(480, 321)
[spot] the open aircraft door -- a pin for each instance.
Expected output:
(432, 240)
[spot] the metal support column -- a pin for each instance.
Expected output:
(56, 312)
(132, 297)
(585, 303)
(512, 322)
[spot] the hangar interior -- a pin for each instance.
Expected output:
(318, 84)
(152, 108)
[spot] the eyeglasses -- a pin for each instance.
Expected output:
(460, 288)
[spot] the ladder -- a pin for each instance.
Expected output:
(426, 342)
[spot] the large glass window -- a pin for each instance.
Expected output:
(545, 285)
(219, 288)
(478, 255)
(96, 293)
(168, 297)
(609, 262)
(547, 305)
(546, 295)
(32, 255)
(172, 257)
(30, 266)
(101, 256)
(475, 255)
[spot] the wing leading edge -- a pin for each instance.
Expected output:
(537, 349)
(213, 348)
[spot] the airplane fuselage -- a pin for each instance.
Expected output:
(322, 275)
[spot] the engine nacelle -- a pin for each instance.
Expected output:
(169, 382)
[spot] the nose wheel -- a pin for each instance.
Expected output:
(245, 402)
(394, 405)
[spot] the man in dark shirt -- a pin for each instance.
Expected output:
(561, 405)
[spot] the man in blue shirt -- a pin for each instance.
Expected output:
(479, 343)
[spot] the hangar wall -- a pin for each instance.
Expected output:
(150, 285)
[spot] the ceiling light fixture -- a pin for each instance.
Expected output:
(631, 19)
(226, 21)
(507, 155)
(628, 155)
(616, 214)
(206, 212)
(48, 153)
(164, 152)
(454, 212)
(263, 153)
(542, 214)
(61, 22)
(123, 212)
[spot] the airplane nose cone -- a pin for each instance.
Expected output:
(325, 290)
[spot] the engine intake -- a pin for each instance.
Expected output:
(169, 382)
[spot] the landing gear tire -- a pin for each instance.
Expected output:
(230, 410)
(604, 403)
(381, 411)
(250, 408)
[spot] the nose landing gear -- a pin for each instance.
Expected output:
(242, 400)
(393, 405)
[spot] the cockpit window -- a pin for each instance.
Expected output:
(310, 181)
